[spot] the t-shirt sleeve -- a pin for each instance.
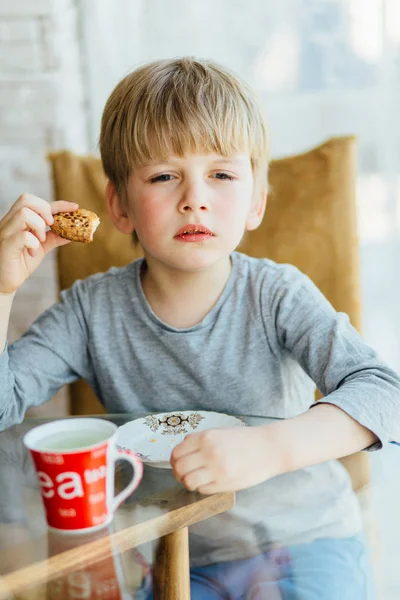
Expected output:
(53, 352)
(347, 371)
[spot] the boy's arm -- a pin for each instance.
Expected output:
(6, 301)
(360, 409)
(363, 391)
(218, 460)
(31, 370)
(53, 352)
(323, 433)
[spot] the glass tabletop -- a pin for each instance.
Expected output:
(304, 530)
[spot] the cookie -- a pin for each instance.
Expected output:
(77, 226)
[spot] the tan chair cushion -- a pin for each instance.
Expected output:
(310, 222)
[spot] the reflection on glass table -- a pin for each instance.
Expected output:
(298, 535)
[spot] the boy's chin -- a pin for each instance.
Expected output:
(196, 262)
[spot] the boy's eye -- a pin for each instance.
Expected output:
(162, 177)
(223, 175)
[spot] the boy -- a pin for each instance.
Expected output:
(184, 147)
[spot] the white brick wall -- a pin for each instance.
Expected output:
(32, 8)
(42, 108)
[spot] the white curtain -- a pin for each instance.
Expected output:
(321, 67)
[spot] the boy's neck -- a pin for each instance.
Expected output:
(181, 299)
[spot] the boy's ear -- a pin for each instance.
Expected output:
(118, 213)
(257, 211)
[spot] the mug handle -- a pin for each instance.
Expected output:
(137, 465)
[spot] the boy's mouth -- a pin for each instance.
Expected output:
(193, 233)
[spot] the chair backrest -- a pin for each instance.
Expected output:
(310, 222)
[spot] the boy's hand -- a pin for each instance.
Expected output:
(24, 241)
(221, 460)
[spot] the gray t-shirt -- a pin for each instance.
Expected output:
(259, 350)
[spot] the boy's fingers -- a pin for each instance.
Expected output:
(197, 479)
(187, 446)
(38, 205)
(26, 239)
(63, 206)
(213, 488)
(25, 219)
(187, 463)
(41, 207)
(53, 241)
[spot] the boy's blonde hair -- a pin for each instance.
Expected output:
(177, 107)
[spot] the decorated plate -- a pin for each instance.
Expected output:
(153, 437)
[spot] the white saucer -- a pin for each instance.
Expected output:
(153, 437)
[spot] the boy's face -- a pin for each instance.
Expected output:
(189, 212)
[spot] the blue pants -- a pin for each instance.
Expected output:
(327, 569)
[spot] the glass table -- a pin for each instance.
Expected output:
(147, 551)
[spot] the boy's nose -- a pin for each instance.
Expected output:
(192, 199)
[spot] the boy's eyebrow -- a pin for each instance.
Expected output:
(227, 160)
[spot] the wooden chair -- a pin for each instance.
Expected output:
(310, 222)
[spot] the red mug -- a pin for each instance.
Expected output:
(75, 464)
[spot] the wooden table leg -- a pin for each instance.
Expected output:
(171, 573)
